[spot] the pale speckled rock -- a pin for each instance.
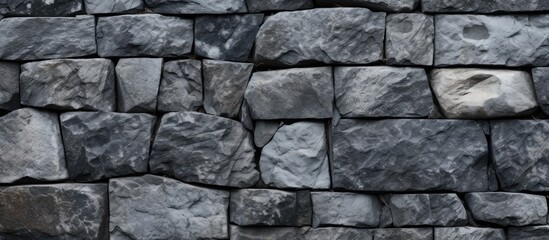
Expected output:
(404, 234)
(299, 93)
(227, 37)
(69, 84)
(528, 233)
(426, 209)
(278, 5)
(101, 145)
(34, 38)
(31, 146)
(296, 157)
(138, 80)
(180, 86)
(152, 207)
(474, 93)
(409, 39)
(377, 5)
(329, 36)
(201, 148)
(40, 8)
(345, 209)
(492, 40)
(541, 84)
(520, 154)
(264, 131)
(224, 86)
(9, 85)
(337, 233)
(507, 209)
(113, 6)
(144, 35)
(197, 6)
(469, 233)
(382, 92)
(483, 6)
(54, 212)
(264, 233)
(409, 155)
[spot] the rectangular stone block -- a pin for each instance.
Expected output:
(345, 209)
(461, 233)
(483, 6)
(40, 8)
(426, 210)
(409, 39)
(197, 6)
(376, 5)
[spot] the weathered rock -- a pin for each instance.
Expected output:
(409, 155)
(264, 233)
(40, 8)
(101, 145)
(409, 39)
(296, 157)
(403, 234)
(246, 117)
(345, 209)
(330, 36)
(152, 207)
(34, 38)
(9, 85)
(491, 40)
(469, 233)
(541, 83)
(483, 93)
(278, 5)
(113, 6)
(224, 86)
(201, 148)
(528, 233)
(299, 93)
(226, 37)
(264, 131)
(69, 84)
(377, 5)
(427, 209)
(337, 233)
(197, 6)
(382, 92)
(181, 86)
(144, 35)
(520, 154)
(483, 6)
(138, 80)
(31, 146)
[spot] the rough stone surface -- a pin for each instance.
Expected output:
(57, 211)
(9, 85)
(483, 6)
(245, 116)
(337, 233)
(264, 207)
(152, 207)
(377, 5)
(224, 86)
(404, 234)
(528, 233)
(113, 6)
(144, 35)
(264, 233)
(31, 147)
(101, 145)
(278, 5)
(426, 209)
(69, 84)
(345, 209)
(40, 8)
(264, 131)
(228, 37)
(201, 148)
(34, 38)
(382, 92)
(180, 86)
(483, 93)
(541, 83)
(409, 155)
(197, 6)
(508, 209)
(296, 157)
(469, 233)
(138, 80)
(409, 39)
(300, 93)
(330, 36)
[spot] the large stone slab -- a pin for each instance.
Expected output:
(483, 6)
(474, 93)
(299, 93)
(278, 5)
(69, 84)
(491, 40)
(382, 92)
(152, 207)
(528, 233)
(180, 86)
(57, 211)
(197, 6)
(409, 39)
(100, 145)
(9, 85)
(33, 38)
(403, 233)
(201, 148)
(113, 6)
(541, 84)
(264, 233)
(469, 233)
(323, 35)
(409, 155)
(345, 209)
(138, 80)
(426, 210)
(40, 8)
(31, 146)
(377, 5)
(144, 35)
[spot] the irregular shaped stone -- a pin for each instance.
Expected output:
(264, 131)
(180, 86)
(246, 117)
(152, 207)
(113, 6)
(299, 93)
(382, 92)
(323, 35)
(426, 209)
(69, 84)
(337, 233)
(226, 37)
(403, 233)
(483, 6)
(31, 146)
(528, 233)
(469, 233)
(345, 209)
(264, 233)
(9, 85)
(34, 38)
(409, 155)
(277, 5)
(296, 157)
(541, 83)
(144, 35)
(197, 6)
(40, 8)
(406, 30)
(138, 80)
(520, 154)
(492, 40)
(201, 148)
(483, 93)
(377, 5)
(224, 86)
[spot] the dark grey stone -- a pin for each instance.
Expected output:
(264, 233)
(403, 234)
(483, 6)
(40, 8)
(409, 39)
(197, 6)
(376, 5)
(337, 233)
(528, 233)
(138, 80)
(345, 209)
(278, 5)
(264, 207)
(469, 233)
(245, 116)
(426, 209)
(541, 84)
(113, 6)
(264, 131)
(9, 85)
(180, 86)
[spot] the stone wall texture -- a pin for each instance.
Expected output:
(274, 119)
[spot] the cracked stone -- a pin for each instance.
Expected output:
(113, 6)
(426, 209)
(180, 86)
(278, 5)
(138, 81)
(469, 233)
(541, 83)
(410, 29)
(197, 6)
(376, 5)
(9, 85)
(483, 6)
(345, 209)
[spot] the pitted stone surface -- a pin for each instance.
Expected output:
(403, 234)
(528, 233)
(138, 80)
(9, 85)
(483, 6)
(113, 6)
(469, 233)
(180, 86)
(409, 39)
(264, 131)
(278, 5)
(541, 84)
(345, 209)
(264, 233)
(426, 209)
(377, 5)
(197, 6)
(264, 207)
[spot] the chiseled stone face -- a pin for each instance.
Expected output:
(337, 233)
(529, 232)
(40, 8)
(197, 6)
(377, 5)
(138, 80)
(426, 210)
(264, 131)
(9, 85)
(541, 84)
(345, 209)
(267, 207)
(264, 233)
(113, 6)
(180, 86)
(483, 6)
(403, 233)
(409, 39)
(469, 233)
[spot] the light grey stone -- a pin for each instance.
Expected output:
(113, 6)
(264, 131)
(180, 86)
(69, 84)
(323, 35)
(264, 233)
(9, 85)
(264, 207)
(469, 233)
(337, 233)
(474, 93)
(483, 6)
(278, 5)
(541, 84)
(345, 209)
(197, 6)
(403, 234)
(376, 5)
(138, 80)
(528, 233)
(40, 8)
(409, 39)
(426, 210)
(152, 207)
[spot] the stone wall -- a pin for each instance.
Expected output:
(274, 119)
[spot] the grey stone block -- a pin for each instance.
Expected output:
(376, 5)
(426, 210)
(9, 85)
(483, 6)
(345, 209)
(197, 6)
(403, 234)
(278, 5)
(469, 233)
(113, 6)
(180, 86)
(138, 80)
(409, 39)
(528, 233)
(40, 8)
(541, 84)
